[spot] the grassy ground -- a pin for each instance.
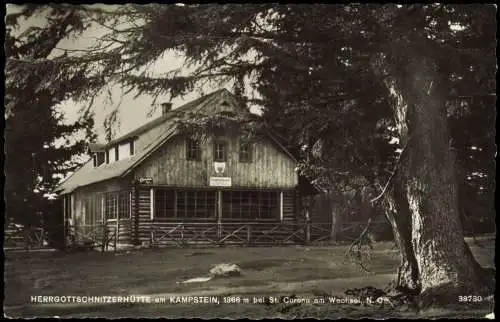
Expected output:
(307, 272)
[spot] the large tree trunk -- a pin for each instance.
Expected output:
(399, 216)
(425, 215)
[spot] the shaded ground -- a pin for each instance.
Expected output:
(306, 272)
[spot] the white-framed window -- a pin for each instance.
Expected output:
(220, 151)
(117, 205)
(111, 154)
(124, 150)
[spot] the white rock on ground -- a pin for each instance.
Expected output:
(225, 270)
(198, 279)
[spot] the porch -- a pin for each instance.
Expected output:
(153, 216)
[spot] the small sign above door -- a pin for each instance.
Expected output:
(220, 182)
(145, 180)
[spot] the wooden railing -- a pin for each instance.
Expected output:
(241, 233)
(99, 236)
(32, 238)
(180, 234)
(90, 236)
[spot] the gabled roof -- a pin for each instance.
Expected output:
(188, 107)
(148, 138)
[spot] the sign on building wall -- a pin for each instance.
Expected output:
(220, 182)
(145, 180)
(219, 167)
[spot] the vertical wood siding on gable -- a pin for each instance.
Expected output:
(270, 167)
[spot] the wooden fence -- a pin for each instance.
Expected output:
(101, 236)
(18, 237)
(111, 235)
(98, 236)
(249, 233)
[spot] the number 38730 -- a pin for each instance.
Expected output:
(470, 298)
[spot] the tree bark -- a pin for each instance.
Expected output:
(425, 214)
(399, 217)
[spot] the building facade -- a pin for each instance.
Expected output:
(157, 186)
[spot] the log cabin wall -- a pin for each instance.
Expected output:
(143, 215)
(289, 207)
(134, 209)
(175, 231)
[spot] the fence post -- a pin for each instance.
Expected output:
(108, 235)
(183, 242)
(42, 233)
(333, 225)
(117, 231)
(151, 237)
(219, 215)
(103, 241)
(308, 231)
(249, 234)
